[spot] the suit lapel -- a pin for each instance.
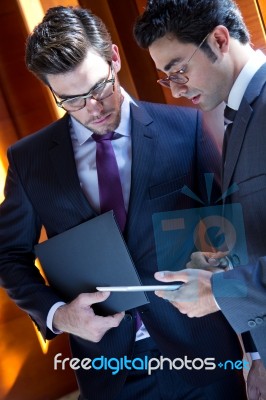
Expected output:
(62, 158)
(240, 124)
(143, 148)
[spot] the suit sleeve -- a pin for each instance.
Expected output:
(241, 295)
(20, 229)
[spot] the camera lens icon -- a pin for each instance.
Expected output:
(214, 233)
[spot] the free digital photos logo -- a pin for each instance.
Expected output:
(207, 228)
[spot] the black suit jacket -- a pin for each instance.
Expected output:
(246, 166)
(42, 189)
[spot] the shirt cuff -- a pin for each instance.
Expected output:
(216, 303)
(254, 356)
(50, 317)
(229, 264)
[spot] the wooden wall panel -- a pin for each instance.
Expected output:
(27, 102)
(26, 372)
(7, 131)
(53, 3)
(261, 4)
(252, 19)
(137, 75)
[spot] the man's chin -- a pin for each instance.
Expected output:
(103, 128)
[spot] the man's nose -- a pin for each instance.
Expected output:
(93, 106)
(178, 90)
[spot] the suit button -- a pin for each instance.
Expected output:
(251, 323)
(258, 320)
(128, 317)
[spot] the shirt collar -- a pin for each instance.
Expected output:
(83, 134)
(252, 66)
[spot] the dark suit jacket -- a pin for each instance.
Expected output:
(42, 188)
(245, 165)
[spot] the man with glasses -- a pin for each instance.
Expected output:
(179, 76)
(99, 92)
(204, 49)
(53, 182)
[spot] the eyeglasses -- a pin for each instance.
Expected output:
(179, 77)
(99, 92)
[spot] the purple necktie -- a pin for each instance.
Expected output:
(138, 321)
(110, 189)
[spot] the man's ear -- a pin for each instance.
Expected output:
(221, 38)
(116, 61)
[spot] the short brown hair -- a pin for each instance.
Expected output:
(61, 41)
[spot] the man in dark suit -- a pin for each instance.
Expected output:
(52, 182)
(205, 50)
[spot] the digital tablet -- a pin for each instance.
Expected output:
(141, 288)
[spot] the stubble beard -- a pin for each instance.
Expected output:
(109, 127)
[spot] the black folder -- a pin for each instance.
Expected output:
(91, 254)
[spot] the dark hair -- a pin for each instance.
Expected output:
(61, 41)
(189, 21)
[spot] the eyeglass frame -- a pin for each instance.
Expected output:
(179, 74)
(89, 94)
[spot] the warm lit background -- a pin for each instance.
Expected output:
(26, 363)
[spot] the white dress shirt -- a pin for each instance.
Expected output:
(241, 83)
(84, 148)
